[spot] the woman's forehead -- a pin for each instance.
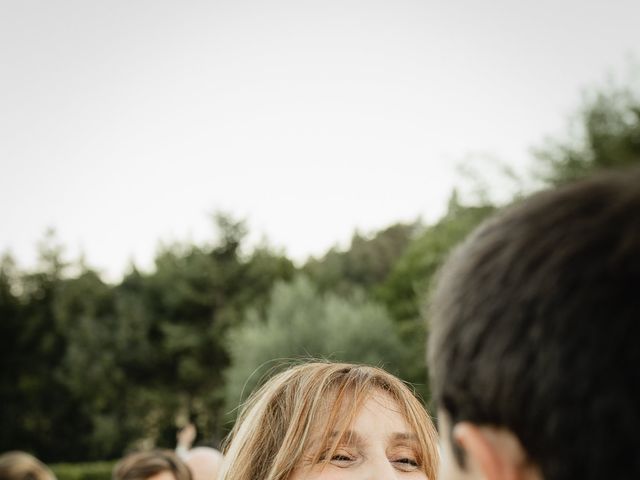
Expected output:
(339, 412)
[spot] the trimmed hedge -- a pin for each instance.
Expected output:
(83, 471)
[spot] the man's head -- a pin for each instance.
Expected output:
(534, 348)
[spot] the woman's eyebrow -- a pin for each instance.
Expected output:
(355, 437)
(399, 436)
(349, 436)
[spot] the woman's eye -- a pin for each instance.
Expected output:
(342, 459)
(406, 464)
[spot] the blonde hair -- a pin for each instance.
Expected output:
(18, 465)
(274, 428)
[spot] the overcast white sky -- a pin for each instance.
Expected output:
(127, 122)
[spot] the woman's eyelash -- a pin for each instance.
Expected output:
(336, 457)
(339, 457)
(407, 464)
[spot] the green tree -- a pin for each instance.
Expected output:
(48, 410)
(11, 355)
(606, 134)
(84, 309)
(173, 323)
(365, 264)
(91, 368)
(300, 322)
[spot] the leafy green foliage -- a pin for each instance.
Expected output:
(404, 289)
(83, 471)
(105, 367)
(608, 136)
(302, 323)
(11, 354)
(41, 407)
(365, 265)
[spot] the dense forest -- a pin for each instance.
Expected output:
(91, 369)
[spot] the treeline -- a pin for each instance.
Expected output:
(91, 369)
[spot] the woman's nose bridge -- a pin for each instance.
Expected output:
(378, 467)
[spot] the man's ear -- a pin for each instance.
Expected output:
(495, 454)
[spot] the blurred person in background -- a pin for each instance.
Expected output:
(184, 439)
(22, 466)
(152, 465)
(204, 462)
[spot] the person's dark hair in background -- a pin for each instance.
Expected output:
(18, 465)
(161, 464)
(534, 349)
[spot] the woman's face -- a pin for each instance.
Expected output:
(379, 445)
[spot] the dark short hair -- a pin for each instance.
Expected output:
(142, 465)
(535, 327)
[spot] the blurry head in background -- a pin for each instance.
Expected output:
(22, 466)
(535, 327)
(204, 463)
(151, 465)
(323, 420)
